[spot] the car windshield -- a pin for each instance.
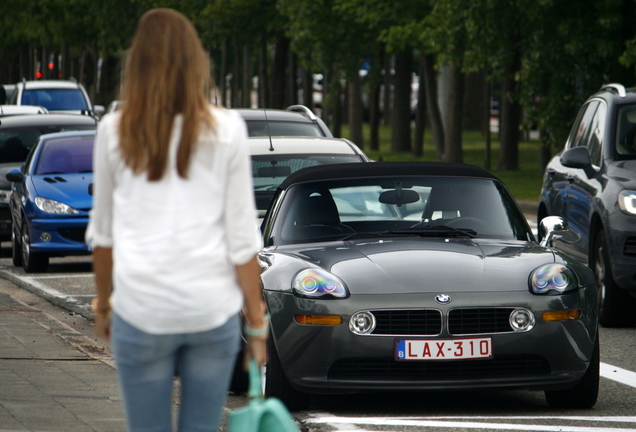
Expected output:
(67, 155)
(626, 132)
(15, 143)
(269, 171)
(424, 207)
(260, 128)
(55, 99)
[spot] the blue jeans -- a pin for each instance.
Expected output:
(146, 364)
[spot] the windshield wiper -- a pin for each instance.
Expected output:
(437, 231)
(423, 231)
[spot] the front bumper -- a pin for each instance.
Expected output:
(331, 359)
(66, 236)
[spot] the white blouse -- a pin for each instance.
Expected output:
(175, 241)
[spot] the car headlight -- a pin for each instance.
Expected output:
(54, 207)
(5, 196)
(552, 278)
(627, 201)
(315, 283)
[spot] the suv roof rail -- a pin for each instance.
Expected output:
(303, 110)
(620, 89)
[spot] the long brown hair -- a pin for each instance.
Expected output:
(167, 73)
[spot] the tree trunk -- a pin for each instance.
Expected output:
(401, 115)
(509, 123)
(420, 114)
(234, 83)
(387, 103)
(474, 105)
(291, 88)
(336, 93)
(278, 72)
(246, 81)
(453, 144)
(223, 74)
(434, 113)
(510, 119)
(263, 87)
(374, 79)
(355, 109)
(308, 89)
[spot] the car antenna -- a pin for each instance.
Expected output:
(269, 134)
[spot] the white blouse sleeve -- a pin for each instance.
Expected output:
(99, 230)
(243, 234)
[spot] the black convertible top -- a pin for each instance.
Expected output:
(384, 169)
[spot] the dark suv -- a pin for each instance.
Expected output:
(592, 185)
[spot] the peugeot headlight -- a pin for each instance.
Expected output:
(54, 207)
(552, 278)
(5, 196)
(316, 283)
(627, 201)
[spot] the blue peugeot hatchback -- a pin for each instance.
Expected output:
(51, 199)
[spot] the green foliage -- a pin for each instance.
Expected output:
(524, 184)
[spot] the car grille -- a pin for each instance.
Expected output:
(388, 369)
(479, 321)
(408, 322)
(630, 246)
(428, 322)
(73, 234)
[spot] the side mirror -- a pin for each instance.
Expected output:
(577, 157)
(552, 227)
(100, 110)
(15, 176)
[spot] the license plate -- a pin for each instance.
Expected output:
(443, 349)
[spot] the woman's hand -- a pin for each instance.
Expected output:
(102, 326)
(256, 349)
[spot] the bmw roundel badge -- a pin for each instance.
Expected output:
(443, 299)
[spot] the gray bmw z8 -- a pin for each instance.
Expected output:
(396, 276)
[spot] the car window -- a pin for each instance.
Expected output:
(596, 133)
(259, 128)
(68, 155)
(336, 209)
(626, 132)
(268, 172)
(581, 130)
(55, 99)
(15, 143)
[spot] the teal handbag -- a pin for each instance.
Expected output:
(260, 415)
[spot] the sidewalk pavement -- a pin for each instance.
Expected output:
(48, 380)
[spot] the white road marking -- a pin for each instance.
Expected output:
(469, 423)
(618, 374)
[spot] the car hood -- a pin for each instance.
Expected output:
(624, 172)
(71, 189)
(416, 265)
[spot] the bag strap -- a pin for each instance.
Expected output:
(256, 387)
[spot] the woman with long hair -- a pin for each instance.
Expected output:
(173, 232)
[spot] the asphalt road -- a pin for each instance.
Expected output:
(68, 287)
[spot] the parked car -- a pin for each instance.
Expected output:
(8, 110)
(276, 158)
(420, 276)
(55, 95)
(296, 120)
(591, 183)
(18, 134)
(51, 199)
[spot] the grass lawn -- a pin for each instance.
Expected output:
(524, 184)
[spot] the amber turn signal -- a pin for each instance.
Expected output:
(563, 315)
(318, 319)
